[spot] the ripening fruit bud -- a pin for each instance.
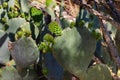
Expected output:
(90, 25)
(22, 29)
(81, 23)
(0, 6)
(10, 14)
(27, 33)
(72, 24)
(48, 38)
(15, 9)
(22, 15)
(15, 14)
(55, 28)
(96, 34)
(4, 20)
(18, 35)
(45, 71)
(42, 46)
(5, 4)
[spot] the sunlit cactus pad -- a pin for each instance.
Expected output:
(74, 50)
(24, 51)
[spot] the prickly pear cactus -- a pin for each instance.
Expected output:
(25, 5)
(9, 73)
(14, 24)
(27, 26)
(98, 72)
(108, 60)
(74, 50)
(24, 51)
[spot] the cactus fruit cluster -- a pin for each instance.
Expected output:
(68, 47)
(55, 28)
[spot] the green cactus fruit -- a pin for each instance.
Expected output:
(27, 33)
(19, 34)
(22, 32)
(10, 14)
(55, 28)
(15, 9)
(96, 34)
(90, 25)
(22, 15)
(24, 51)
(0, 6)
(45, 71)
(72, 24)
(5, 4)
(98, 72)
(26, 16)
(35, 11)
(25, 28)
(15, 14)
(74, 50)
(81, 23)
(36, 14)
(43, 46)
(48, 38)
(4, 20)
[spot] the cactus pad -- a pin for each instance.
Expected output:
(74, 50)
(24, 51)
